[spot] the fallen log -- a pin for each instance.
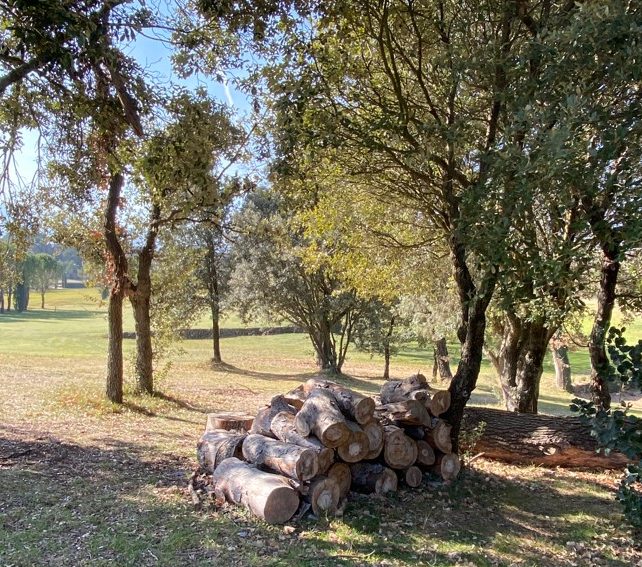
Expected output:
(373, 477)
(340, 473)
(399, 450)
(537, 439)
(412, 476)
(283, 428)
(285, 458)
(425, 454)
(217, 445)
(374, 431)
(230, 421)
(357, 447)
(320, 414)
(406, 412)
(268, 496)
(355, 406)
(296, 397)
(439, 402)
(263, 421)
(400, 390)
(323, 495)
(438, 436)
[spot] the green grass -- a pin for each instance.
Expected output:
(86, 482)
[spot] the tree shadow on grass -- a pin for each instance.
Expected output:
(47, 315)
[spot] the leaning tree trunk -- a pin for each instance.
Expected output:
(117, 266)
(141, 302)
(471, 332)
(520, 361)
(442, 361)
(601, 323)
(562, 367)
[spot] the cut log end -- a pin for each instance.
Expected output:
(340, 472)
(229, 421)
(324, 496)
(280, 505)
(412, 476)
(449, 466)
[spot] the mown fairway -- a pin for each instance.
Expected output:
(83, 482)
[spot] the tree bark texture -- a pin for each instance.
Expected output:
(140, 298)
(353, 405)
(321, 415)
(520, 360)
(290, 460)
(562, 366)
(537, 439)
(263, 421)
(217, 445)
(268, 496)
(597, 349)
(442, 360)
(119, 288)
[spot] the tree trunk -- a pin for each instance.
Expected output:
(537, 439)
(325, 348)
(562, 366)
(140, 299)
(597, 349)
(119, 287)
(1, 300)
(42, 298)
(386, 361)
(268, 496)
(442, 360)
(213, 293)
(114, 387)
(520, 360)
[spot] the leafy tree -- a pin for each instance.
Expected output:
(45, 273)
(272, 278)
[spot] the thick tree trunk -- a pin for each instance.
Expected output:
(442, 360)
(520, 361)
(268, 496)
(117, 267)
(325, 348)
(597, 349)
(537, 439)
(562, 366)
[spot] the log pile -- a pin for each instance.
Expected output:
(309, 447)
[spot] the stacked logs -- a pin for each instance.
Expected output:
(308, 448)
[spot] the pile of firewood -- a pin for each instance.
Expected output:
(313, 445)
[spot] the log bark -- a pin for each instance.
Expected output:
(399, 450)
(537, 439)
(412, 476)
(374, 431)
(230, 421)
(371, 478)
(217, 445)
(268, 496)
(354, 406)
(321, 416)
(407, 412)
(400, 390)
(425, 454)
(283, 429)
(439, 436)
(285, 458)
(340, 473)
(296, 398)
(357, 447)
(324, 495)
(263, 421)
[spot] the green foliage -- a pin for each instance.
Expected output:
(617, 429)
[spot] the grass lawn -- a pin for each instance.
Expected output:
(83, 482)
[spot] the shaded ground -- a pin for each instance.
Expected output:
(85, 483)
